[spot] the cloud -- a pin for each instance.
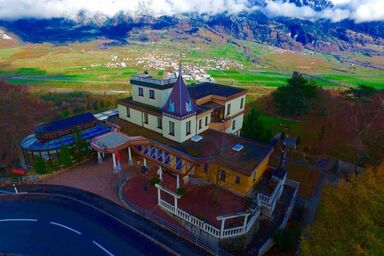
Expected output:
(10, 9)
(358, 10)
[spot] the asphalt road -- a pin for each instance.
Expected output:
(51, 226)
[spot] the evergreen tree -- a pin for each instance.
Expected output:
(65, 156)
(39, 165)
(81, 146)
(295, 98)
(253, 127)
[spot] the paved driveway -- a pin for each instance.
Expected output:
(93, 177)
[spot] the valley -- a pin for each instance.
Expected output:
(95, 66)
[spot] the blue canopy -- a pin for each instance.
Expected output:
(65, 123)
(32, 143)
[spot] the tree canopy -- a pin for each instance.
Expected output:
(349, 130)
(20, 111)
(350, 219)
(295, 98)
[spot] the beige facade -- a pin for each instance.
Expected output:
(159, 96)
(236, 124)
(234, 106)
(230, 120)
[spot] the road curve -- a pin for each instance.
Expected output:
(48, 225)
(105, 213)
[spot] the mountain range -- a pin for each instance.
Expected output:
(286, 33)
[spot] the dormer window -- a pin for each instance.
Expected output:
(141, 92)
(151, 94)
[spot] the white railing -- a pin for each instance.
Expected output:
(228, 232)
(292, 183)
(167, 206)
(263, 198)
(198, 223)
(153, 80)
(270, 201)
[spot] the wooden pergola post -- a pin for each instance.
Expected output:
(160, 172)
(99, 157)
(177, 181)
(158, 196)
(130, 161)
(222, 227)
(114, 163)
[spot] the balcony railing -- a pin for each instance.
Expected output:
(225, 233)
(154, 80)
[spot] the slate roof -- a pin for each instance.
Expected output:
(65, 123)
(205, 89)
(179, 104)
(129, 102)
(244, 161)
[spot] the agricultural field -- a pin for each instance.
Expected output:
(95, 66)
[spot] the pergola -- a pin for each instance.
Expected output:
(112, 142)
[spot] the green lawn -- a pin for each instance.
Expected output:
(276, 124)
(244, 77)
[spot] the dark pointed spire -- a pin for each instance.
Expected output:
(179, 104)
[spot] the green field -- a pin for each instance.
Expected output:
(243, 77)
(84, 65)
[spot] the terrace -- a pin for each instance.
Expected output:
(206, 202)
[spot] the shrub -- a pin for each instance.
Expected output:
(201, 217)
(180, 191)
(65, 157)
(234, 245)
(286, 239)
(155, 180)
(39, 165)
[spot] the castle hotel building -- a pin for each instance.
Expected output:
(193, 131)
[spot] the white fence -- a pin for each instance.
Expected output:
(225, 233)
(270, 201)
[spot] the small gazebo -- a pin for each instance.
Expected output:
(112, 142)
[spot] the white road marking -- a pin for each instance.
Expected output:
(66, 227)
(9, 220)
(102, 248)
